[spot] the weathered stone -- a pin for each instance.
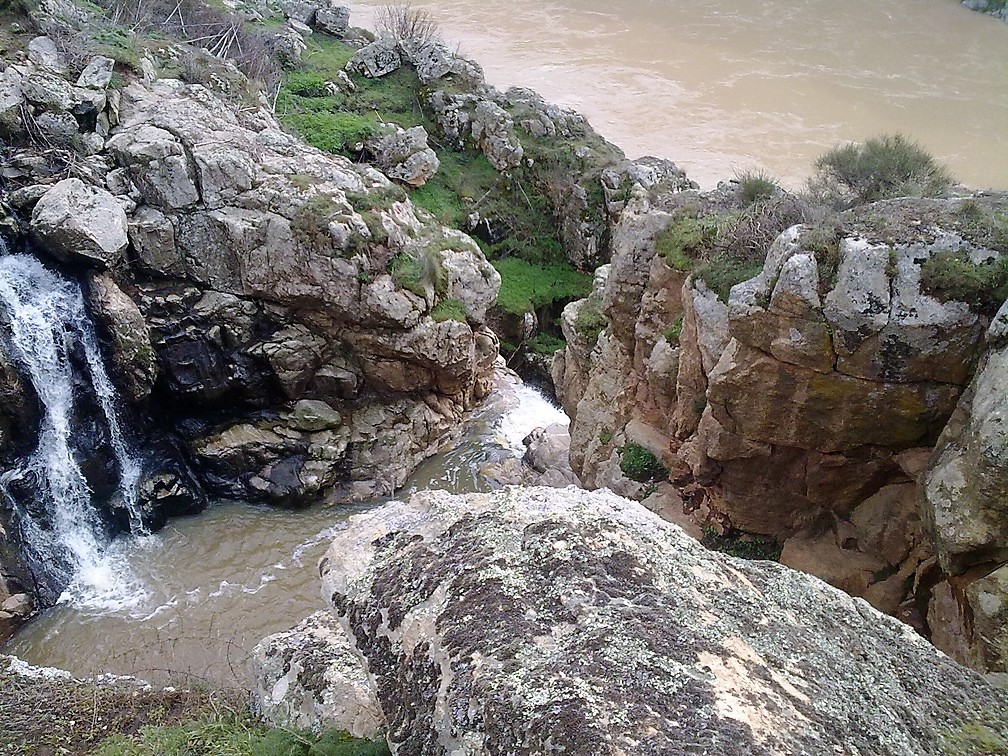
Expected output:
(313, 415)
(379, 58)
(311, 678)
(965, 489)
(332, 20)
(78, 222)
(493, 132)
(42, 51)
(988, 600)
(534, 605)
(97, 74)
(132, 354)
(404, 156)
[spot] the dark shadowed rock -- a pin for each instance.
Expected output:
(534, 620)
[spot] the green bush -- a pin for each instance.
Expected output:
(742, 545)
(722, 272)
(953, 276)
(883, 167)
(590, 320)
(545, 343)
(639, 463)
(755, 186)
(674, 331)
(526, 287)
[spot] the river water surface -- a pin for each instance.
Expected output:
(190, 602)
(726, 85)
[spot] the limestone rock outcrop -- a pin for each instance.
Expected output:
(535, 619)
(310, 677)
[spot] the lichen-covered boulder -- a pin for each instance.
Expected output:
(531, 621)
(80, 223)
(310, 677)
(404, 156)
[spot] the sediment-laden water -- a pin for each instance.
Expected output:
(192, 600)
(726, 85)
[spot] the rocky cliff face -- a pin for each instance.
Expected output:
(536, 619)
(270, 312)
(806, 406)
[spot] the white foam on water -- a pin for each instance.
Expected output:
(533, 410)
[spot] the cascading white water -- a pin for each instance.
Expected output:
(44, 317)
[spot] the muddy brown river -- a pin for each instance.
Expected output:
(726, 85)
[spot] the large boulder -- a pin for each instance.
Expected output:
(80, 223)
(529, 621)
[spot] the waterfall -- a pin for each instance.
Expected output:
(45, 320)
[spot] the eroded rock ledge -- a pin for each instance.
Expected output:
(534, 620)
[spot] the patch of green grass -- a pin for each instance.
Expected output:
(526, 287)
(682, 241)
(337, 132)
(449, 309)
(545, 343)
(974, 739)
(640, 464)
(674, 331)
(890, 165)
(722, 272)
(986, 228)
(605, 437)
(953, 276)
(743, 545)
(232, 734)
(420, 271)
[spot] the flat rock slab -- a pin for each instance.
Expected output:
(534, 620)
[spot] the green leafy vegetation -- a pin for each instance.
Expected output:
(527, 287)
(449, 309)
(605, 437)
(953, 276)
(975, 739)
(674, 331)
(742, 545)
(420, 271)
(722, 272)
(545, 343)
(755, 186)
(590, 320)
(882, 167)
(683, 240)
(639, 463)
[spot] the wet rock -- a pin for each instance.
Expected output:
(133, 357)
(80, 223)
(311, 678)
(569, 620)
(313, 415)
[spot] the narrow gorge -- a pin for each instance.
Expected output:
(270, 279)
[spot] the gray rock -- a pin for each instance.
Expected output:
(377, 59)
(311, 677)
(533, 620)
(75, 221)
(59, 128)
(97, 74)
(133, 357)
(313, 415)
(404, 156)
(333, 20)
(493, 133)
(42, 51)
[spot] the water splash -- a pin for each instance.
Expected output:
(45, 318)
(532, 410)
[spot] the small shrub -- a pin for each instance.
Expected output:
(742, 545)
(755, 186)
(590, 321)
(605, 437)
(545, 343)
(639, 463)
(674, 331)
(722, 272)
(682, 241)
(421, 272)
(449, 309)
(883, 167)
(403, 21)
(953, 276)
